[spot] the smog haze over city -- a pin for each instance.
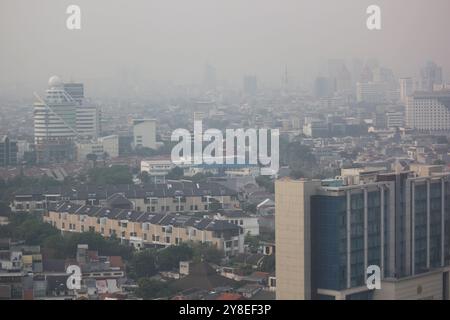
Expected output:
(165, 43)
(252, 151)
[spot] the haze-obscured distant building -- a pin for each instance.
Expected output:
(8, 151)
(144, 133)
(430, 75)
(55, 121)
(429, 111)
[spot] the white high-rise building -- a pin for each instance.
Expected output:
(88, 121)
(144, 133)
(429, 111)
(55, 124)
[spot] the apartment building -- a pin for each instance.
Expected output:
(327, 234)
(171, 196)
(429, 111)
(142, 229)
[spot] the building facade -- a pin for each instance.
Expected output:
(144, 133)
(173, 196)
(429, 111)
(398, 222)
(142, 229)
(8, 151)
(55, 120)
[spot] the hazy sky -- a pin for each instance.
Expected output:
(171, 40)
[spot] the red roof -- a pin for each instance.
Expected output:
(116, 262)
(229, 296)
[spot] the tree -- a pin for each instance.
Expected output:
(143, 264)
(145, 177)
(266, 183)
(206, 252)
(151, 289)
(175, 174)
(169, 258)
(5, 210)
(110, 175)
(252, 242)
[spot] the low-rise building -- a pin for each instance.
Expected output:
(143, 229)
(172, 196)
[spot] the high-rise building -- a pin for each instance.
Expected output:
(406, 88)
(429, 111)
(324, 87)
(329, 232)
(431, 75)
(8, 151)
(250, 85)
(55, 119)
(144, 133)
(371, 92)
(75, 90)
(88, 121)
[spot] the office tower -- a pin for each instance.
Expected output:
(293, 238)
(88, 121)
(371, 92)
(343, 80)
(55, 124)
(75, 90)
(333, 230)
(323, 87)
(144, 133)
(8, 151)
(88, 116)
(430, 75)
(250, 85)
(429, 111)
(406, 88)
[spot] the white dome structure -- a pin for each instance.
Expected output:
(55, 82)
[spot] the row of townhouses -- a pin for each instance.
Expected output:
(172, 196)
(142, 229)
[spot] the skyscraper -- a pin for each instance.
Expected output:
(332, 230)
(55, 119)
(431, 75)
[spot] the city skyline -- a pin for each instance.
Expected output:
(171, 42)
